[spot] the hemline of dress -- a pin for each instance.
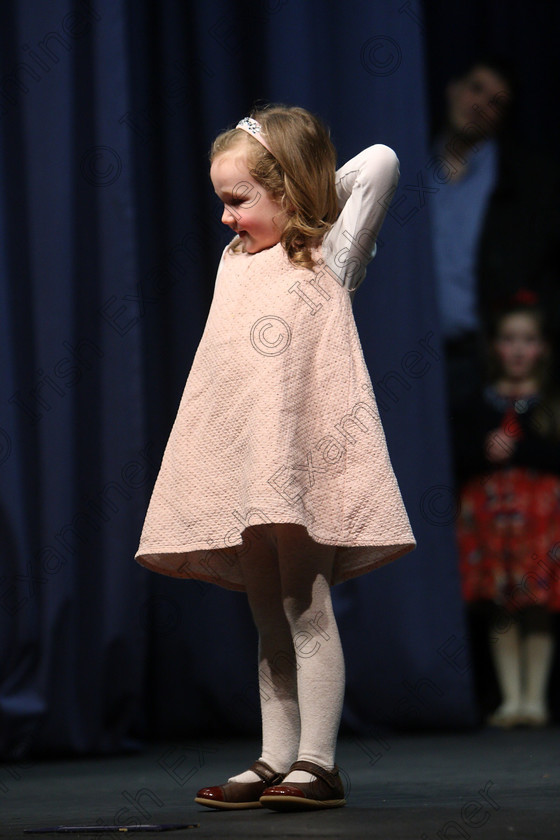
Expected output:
(153, 559)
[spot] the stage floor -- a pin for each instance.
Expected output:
(480, 785)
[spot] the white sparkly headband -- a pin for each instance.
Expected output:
(253, 128)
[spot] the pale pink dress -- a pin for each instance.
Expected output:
(278, 422)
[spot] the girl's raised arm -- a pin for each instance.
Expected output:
(365, 187)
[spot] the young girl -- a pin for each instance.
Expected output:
(276, 479)
(509, 523)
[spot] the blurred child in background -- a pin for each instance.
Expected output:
(508, 462)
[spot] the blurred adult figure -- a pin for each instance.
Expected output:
(493, 218)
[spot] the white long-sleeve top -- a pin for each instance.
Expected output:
(364, 186)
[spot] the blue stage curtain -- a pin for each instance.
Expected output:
(110, 238)
(75, 479)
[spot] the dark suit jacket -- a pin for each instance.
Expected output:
(519, 243)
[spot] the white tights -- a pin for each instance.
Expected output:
(522, 649)
(301, 664)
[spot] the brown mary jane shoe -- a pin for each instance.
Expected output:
(238, 795)
(325, 792)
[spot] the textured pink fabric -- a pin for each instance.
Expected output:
(278, 423)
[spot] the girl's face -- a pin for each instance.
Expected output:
(519, 345)
(249, 210)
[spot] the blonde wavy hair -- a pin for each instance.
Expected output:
(299, 173)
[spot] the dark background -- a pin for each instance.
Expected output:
(109, 240)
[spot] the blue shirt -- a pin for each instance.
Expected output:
(458, 210)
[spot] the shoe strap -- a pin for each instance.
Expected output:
(328, 776)
(265, 772)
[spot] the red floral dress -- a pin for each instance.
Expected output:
(508, 527)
